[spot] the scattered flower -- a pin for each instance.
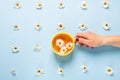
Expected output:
(105, 4)
(17, 5)
(106, 26)
(39, 5)
(37, 48)
(60, 71)
(84, 68)
(15, 49)
(37, 27)
(61, 5)
(15, 27)
(109, 71)
(84, 5)
(60, 26)
(39, 72)
(13, 71)
(82, 26)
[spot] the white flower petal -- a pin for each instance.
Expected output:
(69, 45)
(59, 43)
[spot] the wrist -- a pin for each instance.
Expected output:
(105, 40)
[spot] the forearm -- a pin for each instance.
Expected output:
(111, 40)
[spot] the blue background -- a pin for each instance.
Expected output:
(27, 60)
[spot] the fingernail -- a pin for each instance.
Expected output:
(87, 46)
(92, 47)
(77, 39)
(82, 45)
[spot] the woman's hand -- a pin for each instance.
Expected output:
(89, 39)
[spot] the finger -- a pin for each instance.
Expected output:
(83, 41)
(77, 36)
(82, 35)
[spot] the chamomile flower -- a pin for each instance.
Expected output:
(106, 26)
(60, 71)
(37, 48)
(60, 26)
(15, 49)
(16, 27)
(63, 50)
(37, 27)
(39, 5)
(17, 5)
(39, 72)
(84, 5)
(59, 43)
(69, 45)
(109, 71)
(13, 71)
(82, 26)
(61, 5)
(84, 68)
(105, 4)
